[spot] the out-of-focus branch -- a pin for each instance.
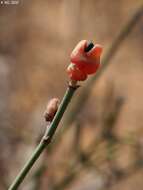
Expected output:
(77, 138)
(92, 160)
(85, 93)
(88, 159)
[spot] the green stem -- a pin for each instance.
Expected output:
(46, 138)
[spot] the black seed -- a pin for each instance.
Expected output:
(89, 46)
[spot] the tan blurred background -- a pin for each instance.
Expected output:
(36, 38)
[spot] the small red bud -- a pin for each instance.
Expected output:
(51, 109)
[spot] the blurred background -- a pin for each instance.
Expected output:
(99, 144)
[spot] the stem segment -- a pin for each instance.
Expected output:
(46, 138)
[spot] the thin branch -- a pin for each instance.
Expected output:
(46, 139)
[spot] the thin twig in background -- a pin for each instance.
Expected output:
(85, 93)
(91, 159)
(83, 159)
(94, 164)
(77, 137)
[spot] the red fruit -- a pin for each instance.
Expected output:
(87, 62)
(76, 74)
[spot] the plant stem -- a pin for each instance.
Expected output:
(46, 138)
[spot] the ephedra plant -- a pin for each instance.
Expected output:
(85, 61)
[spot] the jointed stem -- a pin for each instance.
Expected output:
(46, 138)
